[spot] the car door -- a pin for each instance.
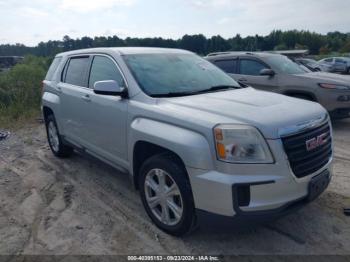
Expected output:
(74, 99)
(107, 114)
(327, 65)
(339, 65)
(249, 73)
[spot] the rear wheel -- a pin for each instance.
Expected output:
(166, 194)
(57, 146)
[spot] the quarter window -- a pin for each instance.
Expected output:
(52, 70)
(103, 69)
(251, 67)
(229, 66)
(76, 71)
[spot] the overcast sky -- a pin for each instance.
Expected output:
(32, 21)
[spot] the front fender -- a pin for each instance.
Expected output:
(190, 146)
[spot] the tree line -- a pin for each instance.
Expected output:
(276, 40)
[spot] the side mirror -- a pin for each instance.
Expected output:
(110, 88)
(243, 85)
(267, 72)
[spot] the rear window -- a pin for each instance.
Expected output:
(229, 66)
(76, 70)
(53, 68)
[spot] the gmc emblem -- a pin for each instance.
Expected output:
(316, 142)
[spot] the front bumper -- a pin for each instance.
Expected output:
(209, 219)
(273, 189)
(243, 218)
(336, 102)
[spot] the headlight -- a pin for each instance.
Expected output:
(333, 86)
(241, 144)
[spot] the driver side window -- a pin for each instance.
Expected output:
(103, 68)
(251, 67)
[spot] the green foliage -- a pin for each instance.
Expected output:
(20, 89)
(346, 47)
(324, 50)
(276, 40)
(280, 47)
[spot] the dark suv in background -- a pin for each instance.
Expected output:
(277, 73)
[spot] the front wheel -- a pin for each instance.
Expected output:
(166, 194)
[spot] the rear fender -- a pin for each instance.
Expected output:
(53, 102)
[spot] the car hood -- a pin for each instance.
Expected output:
(269, 112)
(326, 78)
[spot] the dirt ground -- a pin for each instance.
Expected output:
(82, 206)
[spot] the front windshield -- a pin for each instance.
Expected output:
(282, 64)
(176, 73)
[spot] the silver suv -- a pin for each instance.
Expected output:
(196, 144)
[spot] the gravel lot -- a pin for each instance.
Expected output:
(81, 206)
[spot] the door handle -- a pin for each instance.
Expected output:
(86, 98)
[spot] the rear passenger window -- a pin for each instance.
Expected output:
(53, 68)
(229, 66)
(76, 70)
(251, 67)
(103, 68)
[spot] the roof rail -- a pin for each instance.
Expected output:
(220, 53)
(230, 52)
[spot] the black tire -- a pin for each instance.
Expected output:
(61, 150)
(176, 170)
(348, 71)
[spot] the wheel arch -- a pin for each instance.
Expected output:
(144, 150)
(149, 137)
(47, 111)
(303, 93)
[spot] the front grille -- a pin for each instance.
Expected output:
(302, 161)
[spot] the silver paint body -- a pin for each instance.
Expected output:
(109, 127)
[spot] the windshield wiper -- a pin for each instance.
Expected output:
(174, 94)
(220, 87)
(190, 93)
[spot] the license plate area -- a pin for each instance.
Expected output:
(318, 185)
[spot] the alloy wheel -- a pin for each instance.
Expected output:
(163, 197)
